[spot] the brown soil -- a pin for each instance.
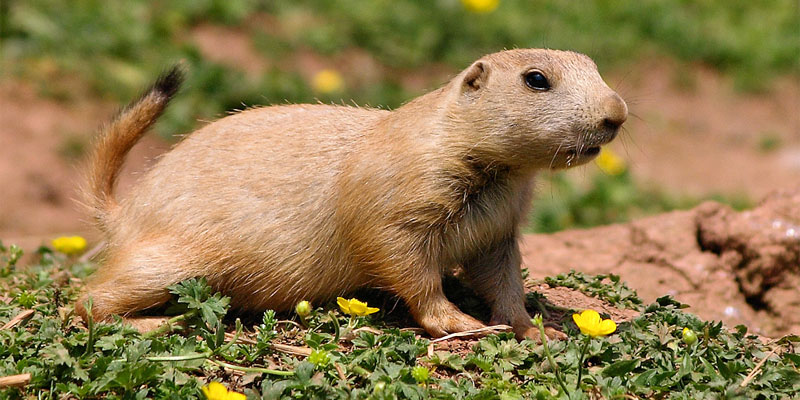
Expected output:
(690, 132)
(740, 268)
(39, 139)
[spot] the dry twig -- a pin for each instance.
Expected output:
(14, 381)
(475, 332)
(283, 348)
(757, 368)
(17, 319)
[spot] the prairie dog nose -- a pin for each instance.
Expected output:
(616, 111)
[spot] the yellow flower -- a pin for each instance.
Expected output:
(610, 163)
(327, 81)
(69, 244)
(355, 307)
(480, 6)
(218, 391)
(590, 324)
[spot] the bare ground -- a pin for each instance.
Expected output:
(740, 268)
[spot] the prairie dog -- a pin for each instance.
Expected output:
(279, 204)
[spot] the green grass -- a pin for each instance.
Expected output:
(645, 358)
(117, 49)
(743, 38)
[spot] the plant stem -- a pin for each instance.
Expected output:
(89, 326)
(168, 326)
(550, 359)
(233, 340)
(185, 357)
(360, 370)
(252, 369)
(336, 327)
(580, 363)
(541, 308)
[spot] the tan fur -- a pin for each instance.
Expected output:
(279, 204)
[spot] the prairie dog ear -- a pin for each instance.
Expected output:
(475, 77)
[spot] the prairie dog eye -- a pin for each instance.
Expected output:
(537, 81)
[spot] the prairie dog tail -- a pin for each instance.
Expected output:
(119, 136)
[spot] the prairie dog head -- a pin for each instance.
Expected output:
(536, 108)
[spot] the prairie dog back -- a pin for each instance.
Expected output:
(234, 181)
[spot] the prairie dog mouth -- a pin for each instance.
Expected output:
(572, 158)
(589, 151)
(585, 153)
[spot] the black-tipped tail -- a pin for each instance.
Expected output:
(120, 135)
(169, 82)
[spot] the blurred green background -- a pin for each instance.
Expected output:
(382, 53)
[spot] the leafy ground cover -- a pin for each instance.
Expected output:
(329, 355)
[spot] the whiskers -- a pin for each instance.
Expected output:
(582, 139)
(570, 158)
(555, 154)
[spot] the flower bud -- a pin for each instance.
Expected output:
(320, 358)
(420, 374)
(303, 308)
(689, 337)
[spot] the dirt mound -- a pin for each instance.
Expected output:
(762, 249)
(741, 268)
